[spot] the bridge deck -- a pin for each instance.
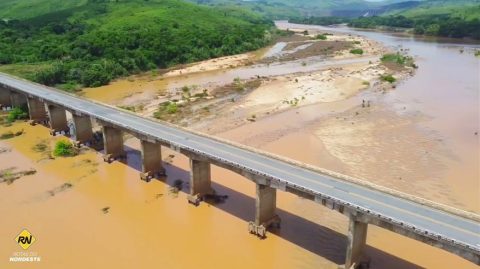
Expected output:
(452, 227)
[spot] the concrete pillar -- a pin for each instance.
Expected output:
(5, 99)
(265, 204)
(36, 110)
(151, 160)
(113, 144)
(83, 128)
(18, 99)
(357, 239)
(58, 119)
(200, 180)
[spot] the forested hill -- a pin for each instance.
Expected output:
(92, 42)
(282, 9)
(447, 18)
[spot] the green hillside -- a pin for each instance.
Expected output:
(91, 44)
(467, 9)
(446, 18)
(293, 8)
(21, 9)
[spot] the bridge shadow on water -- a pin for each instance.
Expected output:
(304, 233)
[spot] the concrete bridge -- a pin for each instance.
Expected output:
(447, 228)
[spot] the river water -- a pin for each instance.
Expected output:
(445, 89)
(109, 218)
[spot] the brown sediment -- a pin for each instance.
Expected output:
(10, 175)
(294, 45)
(318, 48)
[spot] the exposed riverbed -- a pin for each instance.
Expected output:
(418, 138)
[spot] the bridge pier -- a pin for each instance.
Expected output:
(265, 206)
(113, 144)
(5, 99)
(151, 160)
(357, 240)
(18, 99)
(83, 129)
(36, 111)
(58, 119)
(200, 180)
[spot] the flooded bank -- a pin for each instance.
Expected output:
(109, 218)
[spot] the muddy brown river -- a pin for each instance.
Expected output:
(419, 138)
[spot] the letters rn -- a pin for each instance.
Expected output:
(25, 239)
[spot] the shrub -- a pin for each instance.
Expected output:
(64, 148)
(388, 78)
(17, 113)
(321, 37)
(394, 58)
(7, 135)
(356, 51)
(172, 108)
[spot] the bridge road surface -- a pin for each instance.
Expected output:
(450, 226)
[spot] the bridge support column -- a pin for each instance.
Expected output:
(5, 99)
(113, 144)
(18, 99)
(200, 180)
(37, 111)
(357, 240)
(151, 161)
(58, 119)
(83, 129)
(265, 206)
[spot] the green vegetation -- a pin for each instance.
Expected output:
(321, 37)
(433, 25)
(9, 175)
(166, 110)
(64, 148)
(466, 9)
(171, 108)
(388, 78)
(446, 18)
(132, 108)
(398, 59)
(282, 9)
(238, 85)
(7, 135)
(17, 113)
(325, 21)
(356, 51)
(89, 43)
(10, 134)
(477, 53)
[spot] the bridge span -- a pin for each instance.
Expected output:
(447, 228)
